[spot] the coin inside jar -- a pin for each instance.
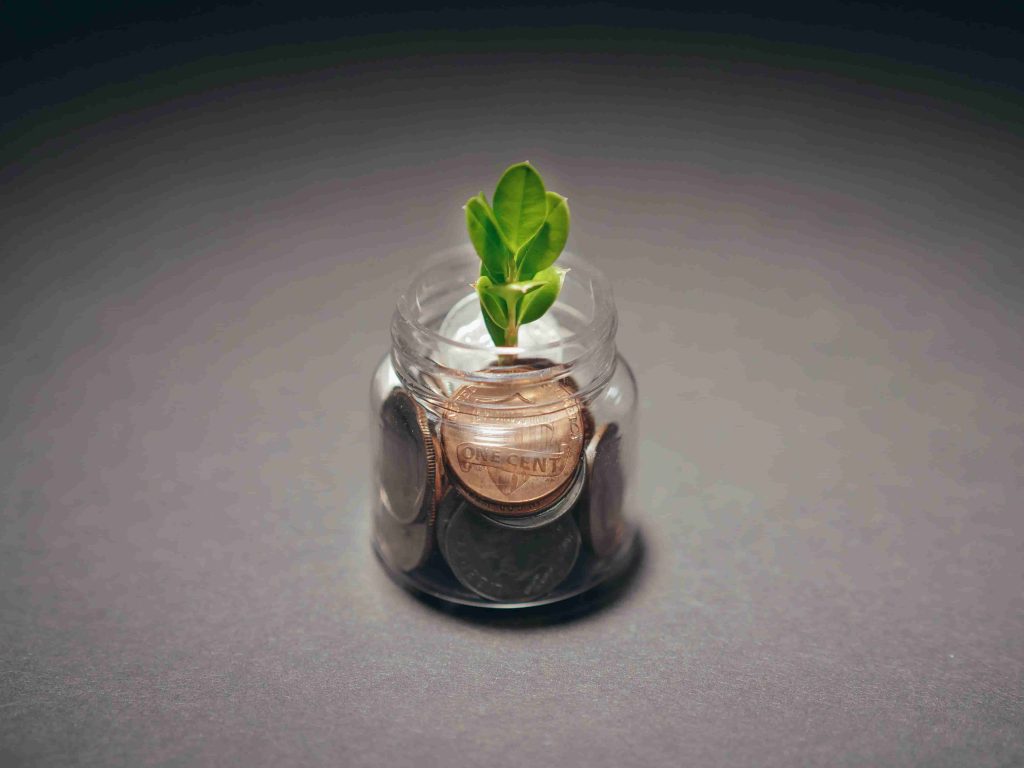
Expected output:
(404, 546)
(602, 521)
(513, 446)
(445, 509)
(509, 564)
(409, 471)
(550, 366)
(561, 506)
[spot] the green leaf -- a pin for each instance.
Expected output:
(493, 305)
(486, 238)
(518, 241)
(534, 305)
(513, 293)
(519, 204)
(500, 301)
(496, 331)
(545, 246)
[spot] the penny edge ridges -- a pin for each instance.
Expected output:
(387, 525)
(433, 467)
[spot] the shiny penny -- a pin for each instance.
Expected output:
(551, 368)
(562, 505)
(512, 446)
(603, 522)
(403, 546)
(499, 562)
(410, 475)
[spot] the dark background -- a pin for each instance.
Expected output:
(56, 50)
(810, 215)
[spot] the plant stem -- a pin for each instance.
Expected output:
(511, 340)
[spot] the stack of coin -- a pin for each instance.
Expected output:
(517, 488)
(514, 454)
(411, 482)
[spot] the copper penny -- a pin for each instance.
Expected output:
(512, 446)
(564, 504)
(546, 365)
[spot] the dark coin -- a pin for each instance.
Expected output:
(509, 564)
(445, 509)
(409, 474)
(603, 523)
(403, 546)
(557, 507)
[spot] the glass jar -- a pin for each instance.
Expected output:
(502, 476)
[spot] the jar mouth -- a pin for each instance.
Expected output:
(593, 325)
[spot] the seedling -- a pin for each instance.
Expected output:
(518, 240)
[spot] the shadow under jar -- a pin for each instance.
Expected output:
(502, 476)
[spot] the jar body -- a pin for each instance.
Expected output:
(502, 481)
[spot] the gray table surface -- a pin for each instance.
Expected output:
(819, 283)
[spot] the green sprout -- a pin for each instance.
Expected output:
(518, 241)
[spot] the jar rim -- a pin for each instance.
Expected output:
(599, 328)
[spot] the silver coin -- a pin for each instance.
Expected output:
(509, 564)
(603, 523)
(403, 546)
(546, 516)
(409, 472)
